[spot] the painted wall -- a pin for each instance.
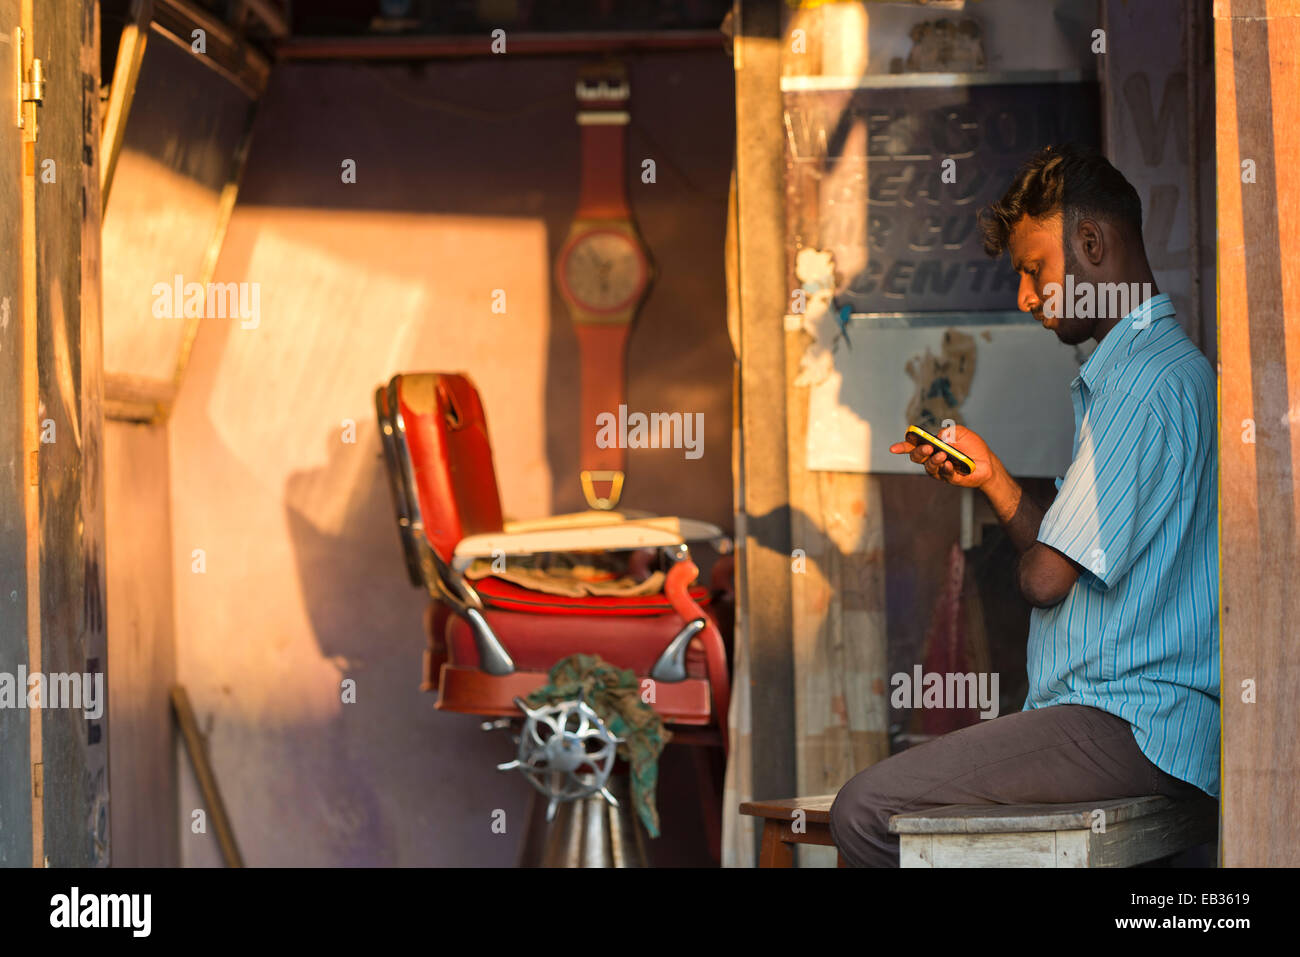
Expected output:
(288, 572)
(142, 765)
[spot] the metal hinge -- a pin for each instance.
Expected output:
(29, 88)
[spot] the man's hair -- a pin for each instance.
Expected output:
(1073, 181)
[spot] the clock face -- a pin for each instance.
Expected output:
(603, 271)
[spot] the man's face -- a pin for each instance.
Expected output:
(1041, 256)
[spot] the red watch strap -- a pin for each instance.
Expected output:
(604, 181)
(602, 92)
(602, 351)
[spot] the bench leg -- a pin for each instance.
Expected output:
(774, 852)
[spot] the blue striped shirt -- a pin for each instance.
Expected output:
(1138, 633)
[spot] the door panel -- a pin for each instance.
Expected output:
(15, 728)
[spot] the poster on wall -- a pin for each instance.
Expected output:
(1009, 381)
(887, 177)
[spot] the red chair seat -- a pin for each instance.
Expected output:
(536, 641)
(444, 485)
(499, 593)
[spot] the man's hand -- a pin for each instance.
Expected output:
(938, 465)
(1019, 515)
(1044, 575)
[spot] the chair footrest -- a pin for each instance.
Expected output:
(471, 691)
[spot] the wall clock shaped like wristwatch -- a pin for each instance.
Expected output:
(603, 272)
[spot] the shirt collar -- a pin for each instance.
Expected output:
(1113, 344)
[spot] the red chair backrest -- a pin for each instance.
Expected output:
(451, 457)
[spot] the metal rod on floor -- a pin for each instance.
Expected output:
(198, 752)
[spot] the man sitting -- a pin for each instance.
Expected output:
(1122, 569)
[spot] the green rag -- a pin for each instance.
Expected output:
(615, 697)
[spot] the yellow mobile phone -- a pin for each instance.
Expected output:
(960, 463)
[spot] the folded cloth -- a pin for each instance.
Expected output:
(572, 575)
(553, 583)
(614, 695)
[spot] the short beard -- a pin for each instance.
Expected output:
(1072, 330)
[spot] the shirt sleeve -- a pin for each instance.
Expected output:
(1121, 487)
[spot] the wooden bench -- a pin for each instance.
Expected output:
(1127, 832)
(1120, 833)
(784, 827)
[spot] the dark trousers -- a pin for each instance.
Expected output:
(1061, 754)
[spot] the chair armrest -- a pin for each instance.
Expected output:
(585, 519)
(662, 532)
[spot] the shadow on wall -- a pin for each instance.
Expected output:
(366, 619)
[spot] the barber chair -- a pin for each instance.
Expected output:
(492, 641)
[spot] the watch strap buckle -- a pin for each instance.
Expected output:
(613, 476)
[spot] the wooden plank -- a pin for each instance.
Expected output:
(126, 70)
(837, 591)
(15, 726)
(30, 457)
(990, 819)
(916, 850)
(739, 836)
(74, 748)
(226, 52)
(808, 834)
(136, 389)
(1153, 836)
(198, 752)
(1035, 849)
(1127, 845)
(522, 44)
(1074, 849)
(1136, 831)
(774, 852)
(818, 809)
(764, 537)
(1257, 70)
